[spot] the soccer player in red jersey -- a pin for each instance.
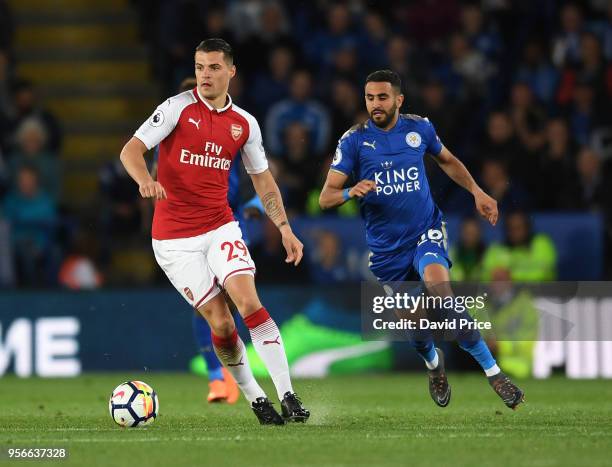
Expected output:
(196, 240)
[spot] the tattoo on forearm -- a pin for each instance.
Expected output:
(273, 206)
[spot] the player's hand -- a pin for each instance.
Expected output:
(362, 188)
(486, 206)
(152, 189)
(293, 246)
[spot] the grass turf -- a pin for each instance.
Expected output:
(356, 420)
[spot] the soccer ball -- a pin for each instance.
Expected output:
(133, 403)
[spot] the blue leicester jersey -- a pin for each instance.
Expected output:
(401, 208)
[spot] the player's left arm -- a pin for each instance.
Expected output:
(271, 198)
(454, 168)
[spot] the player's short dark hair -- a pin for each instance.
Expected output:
(386, 76)
(217, 45)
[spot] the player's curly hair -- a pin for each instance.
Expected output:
(217, 44)
(386, 76)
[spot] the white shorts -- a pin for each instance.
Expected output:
(199, 266)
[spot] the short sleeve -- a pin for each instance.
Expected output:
(253, 153)
(159, 125)
(344, 158)
(434, 145)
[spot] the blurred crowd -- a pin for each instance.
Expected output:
(520, 91)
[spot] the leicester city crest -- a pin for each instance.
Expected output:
(413, 139)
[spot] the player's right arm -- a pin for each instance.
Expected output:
(333, 193)
(157, 127)
(132, 157)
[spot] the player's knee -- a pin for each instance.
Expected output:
(222, 326)
(247, 304)
(219, 318)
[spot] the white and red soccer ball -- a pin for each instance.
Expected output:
(133, 404)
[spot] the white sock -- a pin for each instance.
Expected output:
(232, 353)
(434, 363)
(492, 371)
(268, 343)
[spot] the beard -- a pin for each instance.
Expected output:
(386, 119)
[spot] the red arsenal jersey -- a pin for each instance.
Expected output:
(197, 145)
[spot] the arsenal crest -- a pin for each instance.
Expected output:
(236, 131)
(188, 293)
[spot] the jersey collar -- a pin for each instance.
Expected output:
(210, 107)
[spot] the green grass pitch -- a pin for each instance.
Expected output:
(356, 420)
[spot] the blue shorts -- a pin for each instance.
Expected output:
(405, 264)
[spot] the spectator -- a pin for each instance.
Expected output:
(345, 101)
(429, 21)
(560, 190)
(402, 58)
(269, 255)
(272, 85)
(326, 260)
(605, 30)
(31, 138)
(33, 219)
(271, 31)
(528, 118)
(299, 107)
(510, 194)
(337, 35)
(468, 253)
(344, 63)
(501, 144)
(566, 46)
(25, 106)
(466, 72)
(590, 69)
(584, 113)
(299, 168)
(78, 271)
(442, 111)
(373, 41)
(123, 210)
(244, 17)
(481, 36)
(529, 256)
(539, 74)
(592, 192)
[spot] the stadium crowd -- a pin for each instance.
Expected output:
(519, 91)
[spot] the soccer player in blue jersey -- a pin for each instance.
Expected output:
(404, 227)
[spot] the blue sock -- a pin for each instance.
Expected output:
(480, 351)
(201, 332)
(425, 349)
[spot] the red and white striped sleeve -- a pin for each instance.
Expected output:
(253, 152)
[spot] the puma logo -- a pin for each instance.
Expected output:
(275, 341)
(236, 364)
(372, 144)
(244, 260)
(197, 124)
